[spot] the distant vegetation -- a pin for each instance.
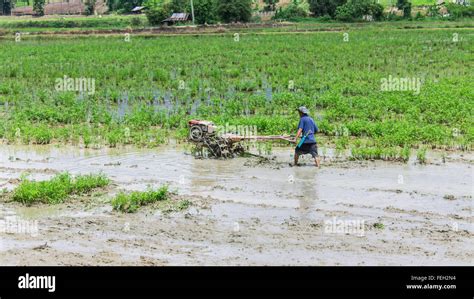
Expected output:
(229, 11)
(211, 11)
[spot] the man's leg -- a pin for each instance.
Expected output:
(317, 161)
(296, 158)
(314, 153)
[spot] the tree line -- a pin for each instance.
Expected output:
(229, 11)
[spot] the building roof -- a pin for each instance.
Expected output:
(138, 8)
(176, 17)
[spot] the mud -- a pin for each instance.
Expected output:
(245, 211)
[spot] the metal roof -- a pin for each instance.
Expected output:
(177, 17)
(137, 8)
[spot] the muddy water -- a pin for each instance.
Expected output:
(247, 212)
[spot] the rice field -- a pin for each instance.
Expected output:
(95, 167)
(147, 88)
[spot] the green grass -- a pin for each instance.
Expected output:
(57, 189)
(131, 202)
(421, 155)
(379, 225)
(378, 153)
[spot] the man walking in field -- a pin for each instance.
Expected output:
(306, 130)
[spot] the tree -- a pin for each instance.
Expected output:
(356, 9)
(234, 10)
(38, 7)
(325, 7)
(156, 15)
(270, 5)
(149, 4)
(178, 6)
(460, 11)
(404, 5)
(296, 9)
(205, 11)
(89, 7)
(157, 11)
(5, 7)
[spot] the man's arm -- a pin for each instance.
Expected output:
(300, 130)
(299, 133)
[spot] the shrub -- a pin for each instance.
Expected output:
(394, 17)
(405, 6)
(356, 9)
(234, 10)
(325, 18)
(38, 7)
(205, 11)
(136, 22)
(89, 7)
(344, 13)
(432, 11)
(296, 9)
(325, 7)
(157, 11)
(270, 5)
(156, 15)
(419, 16)
(179, 6)
(460, 11)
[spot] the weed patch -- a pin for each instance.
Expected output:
(57, 189)
(129, 203)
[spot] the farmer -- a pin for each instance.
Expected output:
(306, 130)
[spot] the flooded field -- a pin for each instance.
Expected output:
(244, 211)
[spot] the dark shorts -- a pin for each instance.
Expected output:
(307, 148)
